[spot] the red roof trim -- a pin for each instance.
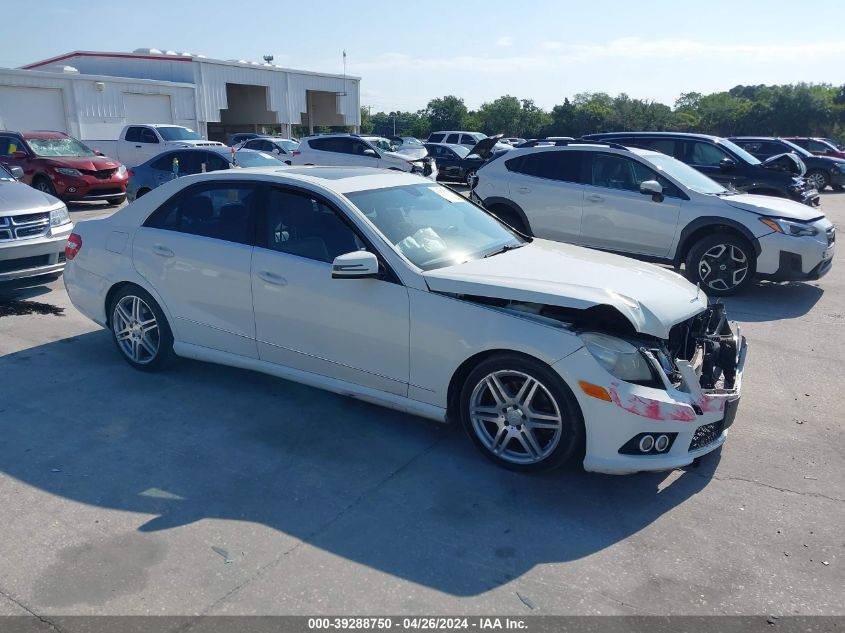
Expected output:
(169, 58)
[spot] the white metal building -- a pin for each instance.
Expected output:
(93, 95)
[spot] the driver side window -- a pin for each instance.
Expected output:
(300, 224)
(706, 155)
(148, 136)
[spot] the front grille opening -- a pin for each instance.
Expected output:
(706, 435)
(22, 263)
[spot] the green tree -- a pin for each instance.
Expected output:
(446, 113)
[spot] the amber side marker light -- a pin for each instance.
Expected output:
(594, 391)
(772, 224)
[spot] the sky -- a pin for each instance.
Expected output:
(410, 52)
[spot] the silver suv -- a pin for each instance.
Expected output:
(34, 227)
(646, 204)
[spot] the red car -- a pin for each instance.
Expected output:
(58, 164)
(817, 146)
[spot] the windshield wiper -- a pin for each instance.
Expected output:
(504, 249)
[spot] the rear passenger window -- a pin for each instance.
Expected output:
(436, 138)
(468, 140)
(561, 165)
(299, 224)
(217, 210)
(453, 138)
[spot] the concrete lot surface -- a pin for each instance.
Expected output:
(208, 490)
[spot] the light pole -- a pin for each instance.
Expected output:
(393, 114)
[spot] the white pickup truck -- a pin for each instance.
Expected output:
(138, 143)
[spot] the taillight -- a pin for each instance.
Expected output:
(296, 153)
(73, 246)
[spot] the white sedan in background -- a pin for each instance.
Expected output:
(395, 290)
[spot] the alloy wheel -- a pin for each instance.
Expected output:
(136, 330)
(515, 417)
(817, 179)
(723, 267)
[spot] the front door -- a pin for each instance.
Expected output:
(354, 330)
(618, 217)
(707, 158)
(196, 252)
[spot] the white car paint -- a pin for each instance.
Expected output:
(396, 343)
(132, 153)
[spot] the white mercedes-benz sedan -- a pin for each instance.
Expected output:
(387, 287)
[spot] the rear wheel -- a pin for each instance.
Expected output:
(42, 183)
(818, 178)
(723, 263)
(469, 177)
(520, 414)
(140, 330)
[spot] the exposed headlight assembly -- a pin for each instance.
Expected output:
(121, 171)
(59, 216)
(790, 227)
(619, 358)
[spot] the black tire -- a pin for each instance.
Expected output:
(146, 361)
(116, 201)
(837, 187)
(818, 177)
(42, 183)
(515, 422)
(721, 272)
(141, 192)
(510, 217)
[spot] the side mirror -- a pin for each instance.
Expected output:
(20, 154)
(16, 171)
(276, 150)
(355, 265)
(98, 152)
(652, 188)
(370, 152)
(727, 164)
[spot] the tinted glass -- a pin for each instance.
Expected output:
(178, 134)
(9, 145)
(302, 225)
(256, 159)
(133, 134)
(190, 162)
(436, 138)
(216, 210)
(164, 162)
(148, 136)
(432, 226)
(215, 162)
(452, 138)
(563, 165)
(705, 154)
(818, 146)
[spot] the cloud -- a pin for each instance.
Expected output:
(551, 45)
(504, 40)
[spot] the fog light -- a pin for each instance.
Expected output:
(646, 443)
(661, 443)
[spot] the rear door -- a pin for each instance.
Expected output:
(618, 217)
(547, 187)
(196, 252)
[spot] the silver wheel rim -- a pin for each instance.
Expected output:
(136, 330)
(515, 416)
(42, 186)
(723, 267)
(818, 180)
(469, 178)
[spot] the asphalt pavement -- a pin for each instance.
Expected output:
(210, 490)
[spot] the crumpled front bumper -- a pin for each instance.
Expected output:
(696, 419)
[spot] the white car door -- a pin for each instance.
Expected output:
(196, 251)
(618, 217)
(147, 146)
(355, 330)
(546, 186)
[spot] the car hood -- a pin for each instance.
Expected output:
(17, 198)
(484, 148)
(771, 206)
(88, 163)
(411, 153)
(788, 162)
(653, 299)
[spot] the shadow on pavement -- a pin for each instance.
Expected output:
(386, 490)
(769, 301)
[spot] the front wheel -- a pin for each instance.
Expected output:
(520, 414)
(469, 177)
(723, 263)
(140, 330)
(818, 178)
(43, 184)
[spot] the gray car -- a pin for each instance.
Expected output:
(34, 227)
(283, 147)
(183, 162)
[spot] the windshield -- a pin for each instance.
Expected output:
(736, 149)
(250, 158)
(432, 226)
(411, 141)
(684, 174)
(178, 134)
(58, 147)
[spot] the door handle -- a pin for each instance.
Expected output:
(137, 147)
(595, 198)
(272, 278)
(523, 190)
(162, 251)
